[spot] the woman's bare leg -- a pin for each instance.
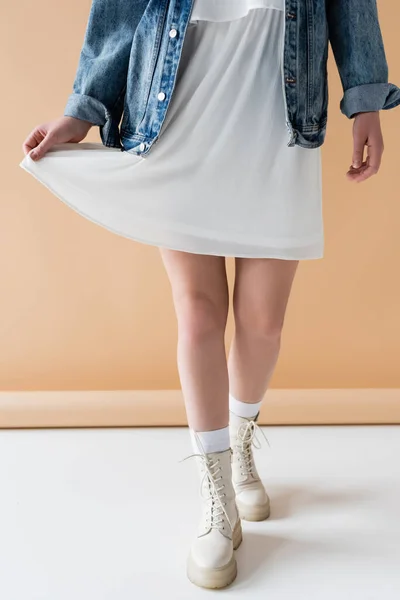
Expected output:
(201, 301)
(200, 294)
(260, 297)
(261, 293)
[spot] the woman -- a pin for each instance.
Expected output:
(235, 95)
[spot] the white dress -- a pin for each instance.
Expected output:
(221, 179)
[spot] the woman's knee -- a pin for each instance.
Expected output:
(259, 324)
(199, 315)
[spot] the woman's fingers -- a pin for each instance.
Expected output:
(64, 129)
(375, 151)
(47, 142)
(358, 151)
(371, 166)
(366, 132)
(33, 140)
(39, 142)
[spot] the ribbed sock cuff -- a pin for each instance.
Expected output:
(244, 409)
(210, 441)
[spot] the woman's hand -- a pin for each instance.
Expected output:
(366, 132)
(60, 131)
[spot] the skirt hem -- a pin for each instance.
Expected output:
(315, 251)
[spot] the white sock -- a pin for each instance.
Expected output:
(244, 409)
(205, 442)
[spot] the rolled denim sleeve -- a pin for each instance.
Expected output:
(87, 108)
(100, 81)
(356, 39)
(369, 97)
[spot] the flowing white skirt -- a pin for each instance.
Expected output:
(221, 179)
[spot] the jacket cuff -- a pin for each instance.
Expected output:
(369, 97)
(87, 108)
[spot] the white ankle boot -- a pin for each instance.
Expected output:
(251, 497)
(211, 562)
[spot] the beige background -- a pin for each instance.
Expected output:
(84, 309)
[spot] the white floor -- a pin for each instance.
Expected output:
(108, 514)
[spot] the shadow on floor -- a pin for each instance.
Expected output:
(290, 501)
(262, 554)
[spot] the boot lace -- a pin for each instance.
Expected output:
(216, 512)
(246, 438)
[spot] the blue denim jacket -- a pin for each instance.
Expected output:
(128, 65)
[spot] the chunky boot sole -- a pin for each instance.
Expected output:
(216, 578)
(237, 535)
(259, 512)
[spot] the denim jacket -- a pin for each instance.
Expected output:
(131, 51)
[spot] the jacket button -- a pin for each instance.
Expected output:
(290, 80)
(142, 147)
(173, 33)
(161, 96)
